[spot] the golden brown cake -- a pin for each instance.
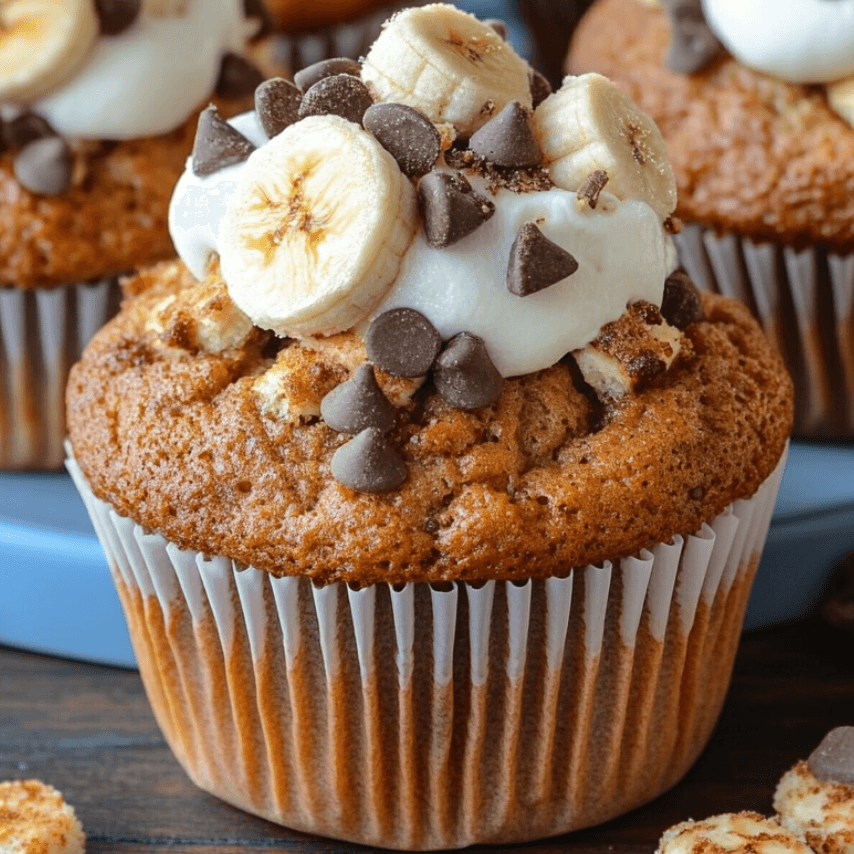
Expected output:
(765, 170)
(424, 467)
(34, 819)
(731, 833)
(93, 136)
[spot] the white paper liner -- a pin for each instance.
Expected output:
(804, 301)
(42, 333)
(420, 718)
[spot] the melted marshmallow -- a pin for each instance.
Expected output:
(622, 252)
(802, 41)
(149, 79)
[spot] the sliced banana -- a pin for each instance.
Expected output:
(42, 42)
(840, 96)
(447, 64)
(589, 124)
(315, 232)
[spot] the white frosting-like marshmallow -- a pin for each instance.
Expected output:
(802, 41)
(148, 79)
(622, 251)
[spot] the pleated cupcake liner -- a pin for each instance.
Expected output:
(423, 716)
(42, 333)
(805, 302)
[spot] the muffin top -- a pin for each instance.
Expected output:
(94, 131)
(753, 153)
(731, 833)
(426, 332)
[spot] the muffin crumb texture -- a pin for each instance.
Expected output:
(752, 154)
(731, 833)
(34, 819)
(224, 452)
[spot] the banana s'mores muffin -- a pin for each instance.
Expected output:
(98, 107)
(815, 799)
(432, 492)
(755, 103)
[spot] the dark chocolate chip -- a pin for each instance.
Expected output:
(44, 166)
(26, 128)
(217, 144)
(238, 77)
(540, 88)
(403, 342)
(681, 304)
(341, 95)
(833, 759)
(257, 11)
(312, 74)
(536, 262)
(508, 139)
(591, 186)
(277, 103)
(697, 493)
(645, 368)
(692, 43)
(464, 374)
(498, 25)
(116, 16)
(367, 463)
(451, 210)
(357, 404)
(407, 135)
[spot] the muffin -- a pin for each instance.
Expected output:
(34, 819)
(758, 131)
(93, 135)
(731, 833)
(432, 492)
(815, 798)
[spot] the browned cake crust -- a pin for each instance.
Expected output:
(752, 154)
(177, 441)
(113, 219)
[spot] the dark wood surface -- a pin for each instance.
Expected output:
(88, 731)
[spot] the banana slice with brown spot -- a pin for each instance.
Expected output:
(316, 230)
(447, 64)
(589, 124)
(42, 42)
(840, 96)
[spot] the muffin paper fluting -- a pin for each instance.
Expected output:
(419, 716)
(805, 303)
(42, 333)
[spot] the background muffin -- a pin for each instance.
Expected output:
(415, 422)
(94, 134)
(764, 170)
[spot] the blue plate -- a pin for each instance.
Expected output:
(57, 596)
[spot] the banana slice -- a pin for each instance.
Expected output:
(315, 232)
(41, 43)
(589, 124)
(447, 64)
(840, 96)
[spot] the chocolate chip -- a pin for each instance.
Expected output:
(498, 25)
(341, 95)
(357, 404)
(681, 304)
(508, 139)
(645, 368)
(451, 210)
(44, 166)
(312, 74)
(464, 374)
(407, 135)
(238, 77)
(277, 103)
(367, 463)
(26, 128)
(591, 186)
(217, 144)
(403, 342)
(692, 43)
(116, 16)
(536, 262)
(697, 493)
(539, 86)
(833, 759)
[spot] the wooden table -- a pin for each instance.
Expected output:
(88, 731)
